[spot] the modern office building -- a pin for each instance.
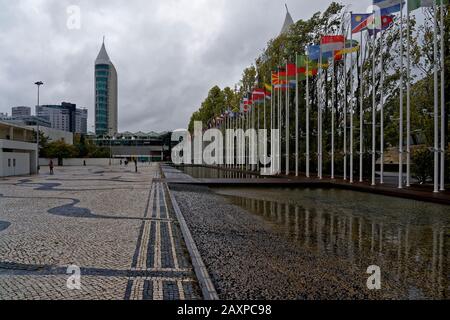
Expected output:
(65, 117)
(105, 94)
(21, 111)
(146, 147)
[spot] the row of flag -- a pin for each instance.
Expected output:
(330, 47)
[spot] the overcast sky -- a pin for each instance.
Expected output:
(168, 53)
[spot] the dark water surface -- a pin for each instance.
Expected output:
(408, 240)
(213, 173)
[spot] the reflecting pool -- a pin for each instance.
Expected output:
(215, 173)
(408, 240)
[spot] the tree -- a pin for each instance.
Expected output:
(59, 150)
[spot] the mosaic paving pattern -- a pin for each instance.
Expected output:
(117, 226)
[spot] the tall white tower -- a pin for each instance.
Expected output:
(105, 94)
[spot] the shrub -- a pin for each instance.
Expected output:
(422, 164)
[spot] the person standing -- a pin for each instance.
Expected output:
(50, 165)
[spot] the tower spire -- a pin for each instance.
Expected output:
(288, 21)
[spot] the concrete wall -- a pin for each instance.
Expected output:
(79, 162)
(14, 164)
(21, 151)
(55, 134)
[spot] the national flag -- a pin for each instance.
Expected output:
(257, 95)
(302, 61)
(388, 6)
(242, 107)
(350, 47)
(416, 4)
(290, 73)
(332, 43)
(386, 22)
(276, 77)
(311, 72)
(304, 64)
(360, 21)
(257, 92)
(267, 91)
(284, 86)
(248, 102)
(314, 53)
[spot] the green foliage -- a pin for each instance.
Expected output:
(87, 149)
(81, 148)
(59, 150)
(422, 168)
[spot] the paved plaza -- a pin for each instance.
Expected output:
(116, 225)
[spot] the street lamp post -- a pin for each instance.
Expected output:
(38, 84)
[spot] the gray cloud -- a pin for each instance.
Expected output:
(168, 53)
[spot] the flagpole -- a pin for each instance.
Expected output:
(333, 113)
(436, 107)
(247, 126)
(400, 140)
(381, 111)
(319, 116)
(253, 125)
(226, 142)
(265, 124)
(296, 116)
(351, 105)
(280, 91)
(258, 126)
(307, 118)
(361, 115)
(345, 117)
(442, 99)
(373, 102)
(241, 124)
(287, 120)
(408, 99)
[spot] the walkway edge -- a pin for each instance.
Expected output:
(208, 289)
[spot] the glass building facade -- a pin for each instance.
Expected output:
(101, 98)
(105, 95)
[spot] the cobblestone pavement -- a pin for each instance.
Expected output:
(115, 224)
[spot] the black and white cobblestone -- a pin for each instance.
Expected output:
(112, 223)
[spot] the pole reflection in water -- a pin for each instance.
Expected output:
(200, 172)
(407, 239)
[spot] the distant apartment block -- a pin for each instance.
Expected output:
(81, 116)
(20, 111)
(65, 117)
